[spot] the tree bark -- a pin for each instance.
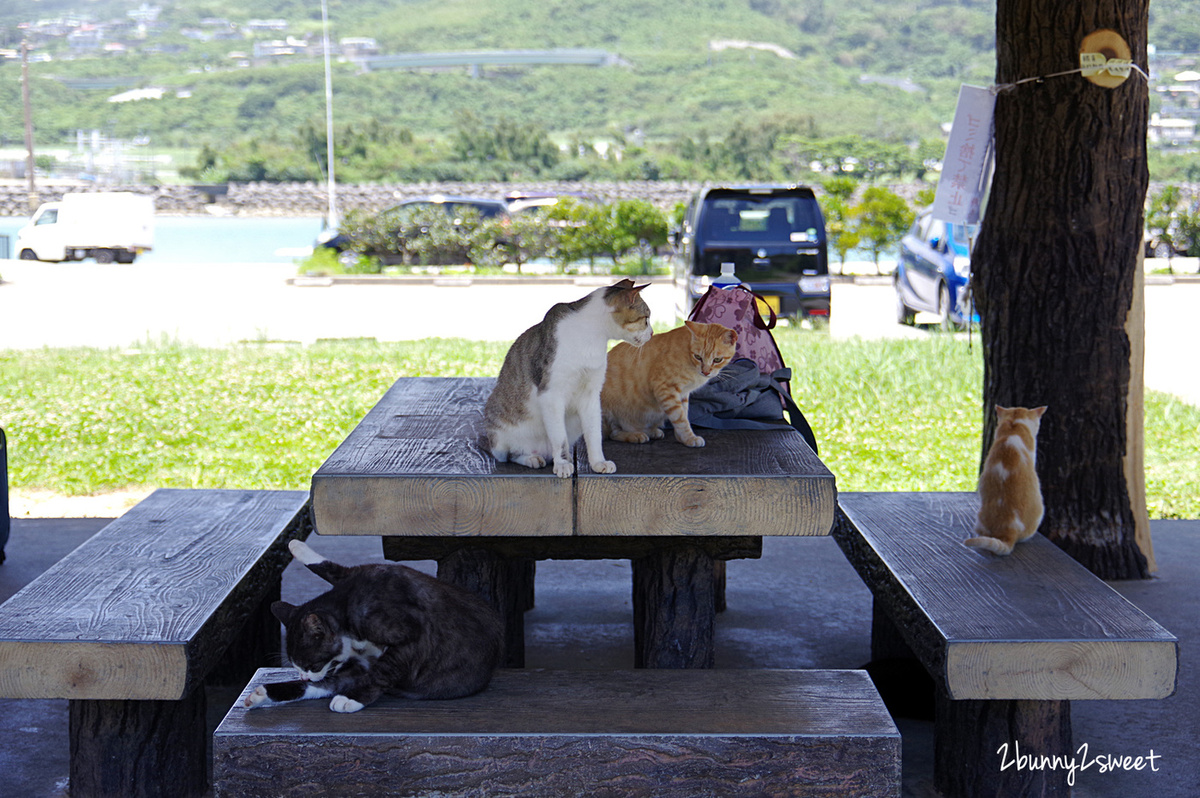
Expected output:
(1056, 260)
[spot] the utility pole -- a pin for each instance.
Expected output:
(32, 189)
(332, 219)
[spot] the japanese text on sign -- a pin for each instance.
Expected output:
(967, 164)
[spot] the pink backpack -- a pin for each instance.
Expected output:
(735, 307)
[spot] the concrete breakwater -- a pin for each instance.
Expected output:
(310, 199)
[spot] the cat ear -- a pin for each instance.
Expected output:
(693, 326)
(731, 336)
(313, 625)
(1038, 411)
(623, 285)
(283, 611)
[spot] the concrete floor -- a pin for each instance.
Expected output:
(800, 606)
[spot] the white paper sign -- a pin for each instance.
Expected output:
(967, 165)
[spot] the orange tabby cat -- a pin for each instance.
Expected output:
(649, 385)
(1010, 497)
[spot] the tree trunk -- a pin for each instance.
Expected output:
(1056, 260)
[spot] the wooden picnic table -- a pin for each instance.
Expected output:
(416, 472)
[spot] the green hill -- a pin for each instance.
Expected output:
(884, 70)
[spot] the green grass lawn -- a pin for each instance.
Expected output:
(900, 415)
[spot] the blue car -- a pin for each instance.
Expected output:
(933, 273)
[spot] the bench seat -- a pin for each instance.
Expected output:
(130, 626)
(622, 733)
(1009, 641)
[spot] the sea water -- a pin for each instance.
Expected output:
(204, 239)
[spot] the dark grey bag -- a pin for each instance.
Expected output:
(5, 523)
(742, 397)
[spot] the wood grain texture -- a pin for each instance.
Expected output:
(596, 733)
(139, 749)
(417, 466)
(740, 483)
(674, 609)
(973, 740)
(146, 607)
(1034, 625)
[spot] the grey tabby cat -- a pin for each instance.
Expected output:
(548, 390)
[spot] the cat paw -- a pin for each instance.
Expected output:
(341, 703)
(604, 467)
(257, 697)
(657, 434)
(530, 461)
(631, 437)
(563, 468)
(695, 442)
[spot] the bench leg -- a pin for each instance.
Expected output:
(674, 608)
(506, 583)
(131, 749)
(975, 748)
(259, 644)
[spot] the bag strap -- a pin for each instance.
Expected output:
(796, 418)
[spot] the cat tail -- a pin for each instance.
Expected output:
(301, 551)
(331, 572)
(994, 545)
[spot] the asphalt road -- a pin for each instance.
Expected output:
(120, 306)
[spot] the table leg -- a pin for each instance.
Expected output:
(674, 608)
(128, 749)
(974, 740)
(506, 583)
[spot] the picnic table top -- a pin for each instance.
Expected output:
(417, 466)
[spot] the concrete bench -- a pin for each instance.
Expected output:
(628, 733)
(130, 625)
(1009, 641)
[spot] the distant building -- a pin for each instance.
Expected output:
(354, 47)
(1171, 131)
(257, 26)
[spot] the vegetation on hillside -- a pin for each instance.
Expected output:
(707, 89)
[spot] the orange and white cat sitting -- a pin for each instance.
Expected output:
(1010, 496)
(645, 386)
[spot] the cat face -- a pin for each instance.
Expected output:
(315, 646)
(713, 346)
(630, 312)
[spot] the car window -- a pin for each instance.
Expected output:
(486, 210)
(747, 218)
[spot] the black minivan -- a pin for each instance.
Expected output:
(774, 235)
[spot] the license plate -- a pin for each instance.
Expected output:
(768, 303)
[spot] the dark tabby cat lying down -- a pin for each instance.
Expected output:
(383, 628)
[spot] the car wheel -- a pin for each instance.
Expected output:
(904, 314)
(28, 254)
(104, 256)
(943, 305)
